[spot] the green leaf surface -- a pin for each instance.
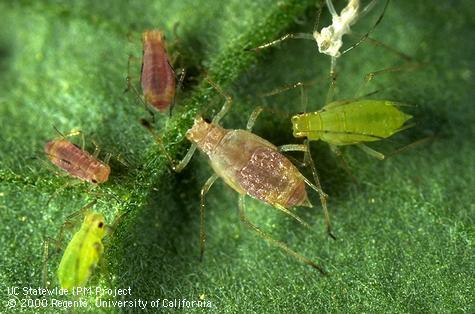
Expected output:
(405, 229)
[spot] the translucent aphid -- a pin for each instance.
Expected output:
(251, 166)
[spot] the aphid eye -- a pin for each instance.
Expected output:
(94, 181)
(100, 225)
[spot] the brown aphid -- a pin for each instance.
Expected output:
(251, 166)
(77, 162)
(157, 77)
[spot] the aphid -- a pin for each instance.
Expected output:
(329, 39)
(83, 252)
(251, 166)
(348, 122)
(77, 162)
(157, 75)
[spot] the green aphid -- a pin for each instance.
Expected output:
(83, 252)
(350, 122)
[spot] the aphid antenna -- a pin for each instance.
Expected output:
(180, 79)
(71, 134)
(316, 25)
(203, 192)
(59, 132)
(227, 103)
(131, 86)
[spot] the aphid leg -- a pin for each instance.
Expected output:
(182, 164)
(307, 36)
(44, 272)
(273, 241)
(97, 150)
(343, 162)
(111, 228)
(369, 77)
(371, 151)
(108, 158)
(204, 190)
(227, 103)
(104, 269)
(46, 256)
(159, 140)
(410, 146)
(300, 85)
(131, 86)
(366, 35)
(291, 214)
(318, 188)
(253, 117)
(177, 167)
(281, 39)
(333, 77)
(390, 49)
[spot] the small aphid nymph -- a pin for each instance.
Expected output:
(83, 252)
(77, 162)
(157, 77)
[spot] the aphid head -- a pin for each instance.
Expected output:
(152, 36)
(199, 130)
(95, 221)
(300, 125)
(101, 174)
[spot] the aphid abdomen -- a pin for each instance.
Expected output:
(78, 261)
(157, 77)
(253, 166)
(82, 253)
(76, 162)
(361, 121)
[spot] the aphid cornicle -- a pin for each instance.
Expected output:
(83, 252)
(251, 166)
(348, 122)
(77, 162)
(157, 77)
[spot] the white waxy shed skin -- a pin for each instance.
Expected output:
(329, 39)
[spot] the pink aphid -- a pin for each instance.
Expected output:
(77, 162)
(157, 77)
